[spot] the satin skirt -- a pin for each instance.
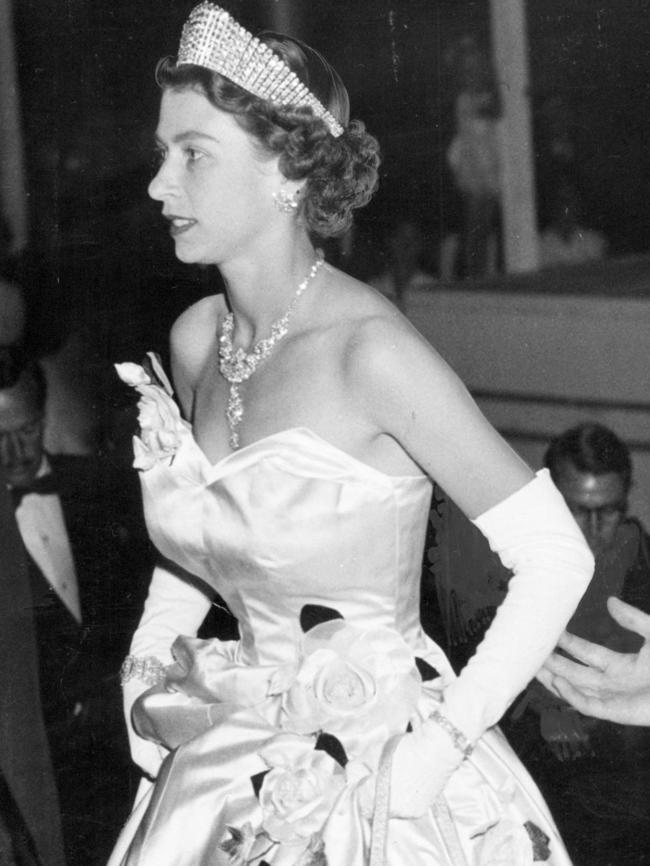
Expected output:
(488, 811)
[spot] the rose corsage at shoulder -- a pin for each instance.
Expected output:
(159, 417)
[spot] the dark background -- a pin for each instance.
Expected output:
(89, 110)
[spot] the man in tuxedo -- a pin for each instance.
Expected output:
(85, 554)
(30, 822)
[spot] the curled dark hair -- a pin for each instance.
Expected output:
(591, 448)
(340, 173)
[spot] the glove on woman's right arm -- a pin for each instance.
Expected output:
(174, 606)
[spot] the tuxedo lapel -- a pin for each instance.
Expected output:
(24, 752)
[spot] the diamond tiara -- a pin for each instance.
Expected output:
(213, 39)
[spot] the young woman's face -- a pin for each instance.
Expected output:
(216, 189)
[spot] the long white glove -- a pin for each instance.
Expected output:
(535, 536)
(174, 605)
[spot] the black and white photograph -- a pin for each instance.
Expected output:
(325, 433)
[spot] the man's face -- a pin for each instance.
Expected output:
(598, 503)
(21, 436)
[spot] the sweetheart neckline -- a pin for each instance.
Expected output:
(245, 449)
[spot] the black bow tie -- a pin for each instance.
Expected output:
(42, 486)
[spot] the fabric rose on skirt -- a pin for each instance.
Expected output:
(159, 416)
(505, 844)
(360, 685)
(300, 789)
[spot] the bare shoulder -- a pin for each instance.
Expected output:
(193, 333)
(380, 345)
(384, 362)
(192, 342)
(408, 392)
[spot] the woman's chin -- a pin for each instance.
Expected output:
(181, 250)
(188, 255)
(192, 255)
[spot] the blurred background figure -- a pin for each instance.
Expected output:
(473, 155)
(87, 557)
(404, 246)
(565, 240)
(600, 771)
(595, 775)
(592, 469)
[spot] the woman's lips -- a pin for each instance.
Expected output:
(179, 225)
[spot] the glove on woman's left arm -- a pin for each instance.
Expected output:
(535, 536)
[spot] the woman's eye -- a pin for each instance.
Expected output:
(192, 154)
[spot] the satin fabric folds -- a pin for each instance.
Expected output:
(286, 523)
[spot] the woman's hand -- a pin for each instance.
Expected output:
(602, 683)
(169, 718)
(422, 764)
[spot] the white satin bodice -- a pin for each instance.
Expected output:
(288, 521)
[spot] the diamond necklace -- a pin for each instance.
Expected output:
(236, 365)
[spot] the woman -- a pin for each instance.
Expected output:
(334, 731)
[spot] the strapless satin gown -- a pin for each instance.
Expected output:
(287, 525)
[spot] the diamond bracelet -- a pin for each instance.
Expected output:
(149, 669)
(459, 739)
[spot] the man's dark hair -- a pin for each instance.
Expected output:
(590, 448)
(16, 366)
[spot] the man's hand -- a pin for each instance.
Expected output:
(607, 685)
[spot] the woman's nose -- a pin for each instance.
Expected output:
(163, 183)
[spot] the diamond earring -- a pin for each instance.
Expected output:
(286, 202)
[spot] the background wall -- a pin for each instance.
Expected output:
(539, 361)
